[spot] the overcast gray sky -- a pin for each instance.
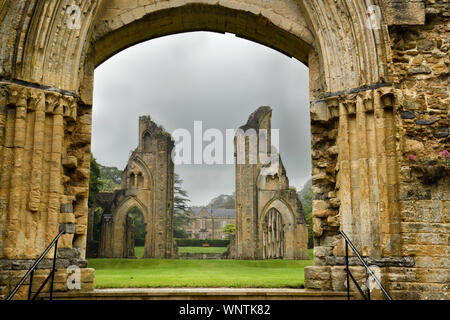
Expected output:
(214, 78)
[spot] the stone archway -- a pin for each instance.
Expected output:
(293, 237)
(262, 185)
(147, 183)
(116, 240)
(370, 70)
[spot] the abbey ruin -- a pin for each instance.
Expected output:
(379, 122)
(270, 222)
(147, 184)
(269, 218)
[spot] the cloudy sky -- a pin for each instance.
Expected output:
(214, 78)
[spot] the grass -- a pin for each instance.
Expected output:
(154, 273)
(139, 251)
(202, 249)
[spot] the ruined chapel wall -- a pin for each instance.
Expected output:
(421, 70)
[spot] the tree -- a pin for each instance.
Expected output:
(108, 185)
(181, 211)
(223, 201)
(111, 173)
(229, 229)
(307, 210)
(94, 182)
(138, 226)
(94, 188)
(110, 177)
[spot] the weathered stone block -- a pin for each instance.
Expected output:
(319, 111)
(429, 211)
(405, 295)
(398, 12)
(447, 211)
(414, 146)
(338, 279)
(68, 228)
(67, 218)
(323, 251)
(82, 263)
(70, 162)
(81, 229)
(65, 241)
(66, 208)
(87, 274)
(318, 278)
(69, 253)
(419, 70)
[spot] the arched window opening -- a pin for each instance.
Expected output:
(132, 180)
(273, 236)
(147, 142)
(140, 180)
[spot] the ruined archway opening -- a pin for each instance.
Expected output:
(288, 107)
(135, 234)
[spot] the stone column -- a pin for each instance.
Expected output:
(44, 183)
(355, 183)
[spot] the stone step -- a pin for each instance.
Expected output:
(199, 294)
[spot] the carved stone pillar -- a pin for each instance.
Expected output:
(355, 185)
(44, 180)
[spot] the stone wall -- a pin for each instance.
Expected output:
(388, 141)
(421, 78)
(378, 96)
(147, 184)
(45, 148)
(261, 187)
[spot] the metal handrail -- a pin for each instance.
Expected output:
(30, 272)
(348, 243)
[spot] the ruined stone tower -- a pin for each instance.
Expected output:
(269, 217)
(147, 184)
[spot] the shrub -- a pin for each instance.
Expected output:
(200, 242)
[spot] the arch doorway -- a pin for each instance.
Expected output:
(134, 235)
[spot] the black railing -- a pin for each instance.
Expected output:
(368, 272)
(30, 273)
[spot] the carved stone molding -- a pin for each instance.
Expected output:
(38, 100)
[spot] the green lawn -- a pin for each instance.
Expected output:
(148, 273)
(202, 249)
(139, 251)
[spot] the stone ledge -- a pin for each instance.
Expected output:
(63, 261)
(201, 294)
(370, 261)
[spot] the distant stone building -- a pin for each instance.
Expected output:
(148, 185)
(208, 224)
